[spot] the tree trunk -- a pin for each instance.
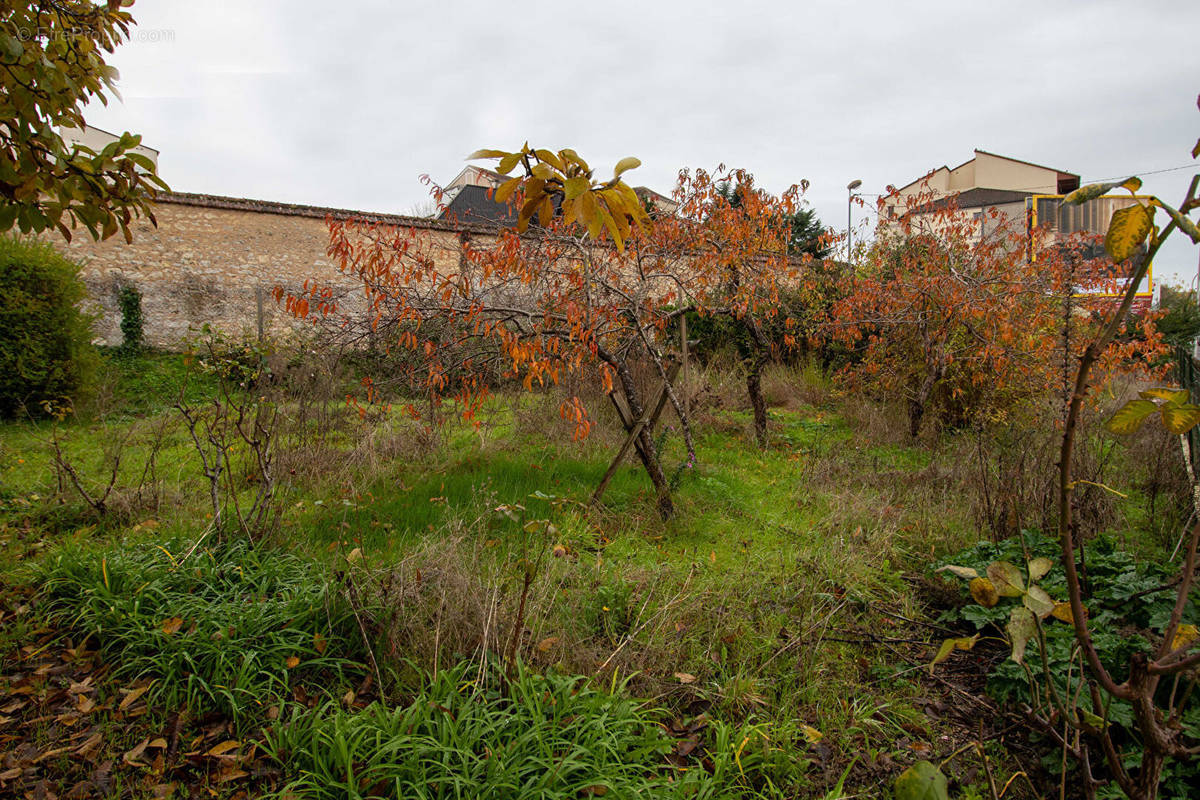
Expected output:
(754, 389)
(758, 359)
(646, 449)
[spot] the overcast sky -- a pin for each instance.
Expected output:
(346, 104)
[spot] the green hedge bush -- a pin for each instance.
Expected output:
(46, 352)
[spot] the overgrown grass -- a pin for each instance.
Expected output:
(535, 736)
(757, 610)
(226, 628)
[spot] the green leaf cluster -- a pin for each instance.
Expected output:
(52, 62)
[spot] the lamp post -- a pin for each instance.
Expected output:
(850, 187)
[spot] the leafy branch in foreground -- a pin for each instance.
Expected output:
(1133, 238)
(51, 64)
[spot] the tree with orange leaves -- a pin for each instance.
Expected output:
(949, 311)
(585, 280)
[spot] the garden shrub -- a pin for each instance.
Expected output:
(46, 352)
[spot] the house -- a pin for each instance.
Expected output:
(987, 181)
(1002, 193)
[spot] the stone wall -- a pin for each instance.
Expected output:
(215, 260)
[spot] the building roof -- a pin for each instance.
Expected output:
(978, 152)
(475, 204)
(977, 198)
(1028, 163)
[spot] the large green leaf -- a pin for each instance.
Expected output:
(1127, 230)
(1130, 416)
(921, 781)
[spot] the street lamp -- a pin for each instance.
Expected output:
(850, 187)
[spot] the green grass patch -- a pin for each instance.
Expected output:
(536, 736)
(228, 628)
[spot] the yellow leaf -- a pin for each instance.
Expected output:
(1127, 230)
(811, 734)
(319, 643)
(1184, 636)
(506, 189)
(949, 646)
(1176, 396)
(626, 164)
(576, 186)
(354, 555)
(1129, 417)
(713, 556)
(291, 662)
(133, 696)
(1062, 611)
(1179, 419)
(487, 154)
(507, 163)
(984, 592)
(171, 625)
(224, 747)
(551, 159)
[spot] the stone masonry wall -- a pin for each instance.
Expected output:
(215, 261)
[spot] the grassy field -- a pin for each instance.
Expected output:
(444, 614)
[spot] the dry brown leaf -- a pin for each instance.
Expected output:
(545, 644)
(57, 751)
(319, 643)
(171, 625)
(158, 743)
(133, 696)
(231, 775)
(684, 677)
(224, 747)
(90, 744)
(131, 757)
(292, 662)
